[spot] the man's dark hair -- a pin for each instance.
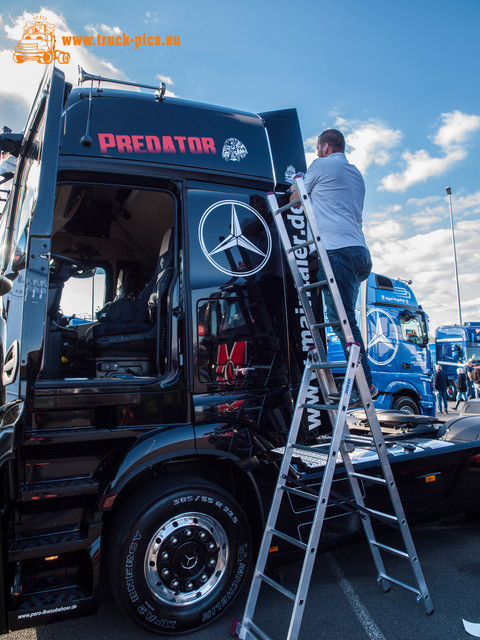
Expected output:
(334, 138)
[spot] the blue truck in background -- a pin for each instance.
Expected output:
(395, 331)
(454, 345)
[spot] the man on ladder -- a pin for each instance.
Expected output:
(335, 226)
(337, 192)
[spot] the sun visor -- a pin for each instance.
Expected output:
(286, 144)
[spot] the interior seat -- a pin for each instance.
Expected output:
(139, 331)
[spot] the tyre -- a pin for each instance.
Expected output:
(451, 391)
(405, 404)
(178, 554)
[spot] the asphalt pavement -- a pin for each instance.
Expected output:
(344, 602)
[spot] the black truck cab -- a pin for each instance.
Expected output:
(145, 351)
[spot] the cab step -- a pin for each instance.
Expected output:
(53, 544)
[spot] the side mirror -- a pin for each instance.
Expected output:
(5, 285)
(11, 142)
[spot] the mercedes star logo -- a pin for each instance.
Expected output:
(245, 246)
(382, 346)
(189, 560)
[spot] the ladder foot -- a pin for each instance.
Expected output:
(386, 586)
(429, 609)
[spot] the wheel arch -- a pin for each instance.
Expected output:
(224, 471)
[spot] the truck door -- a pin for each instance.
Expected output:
(25, 242)
(239, 330)
(24, 259)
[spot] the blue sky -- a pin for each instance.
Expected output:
(400, 79)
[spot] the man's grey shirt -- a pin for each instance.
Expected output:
(337, 191)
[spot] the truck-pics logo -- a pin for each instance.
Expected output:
(242, 250)
(38, 43)
(383, 344)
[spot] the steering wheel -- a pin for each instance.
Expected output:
(65, 267)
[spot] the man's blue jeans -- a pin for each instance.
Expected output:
(350, 265)
(441, 399)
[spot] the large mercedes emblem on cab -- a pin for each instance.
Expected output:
(234, 238)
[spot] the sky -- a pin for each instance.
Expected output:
(400, 79)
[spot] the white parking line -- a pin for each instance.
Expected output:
(360, 610)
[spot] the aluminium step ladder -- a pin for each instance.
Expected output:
(337, 451)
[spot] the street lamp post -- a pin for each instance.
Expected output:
(449, 193)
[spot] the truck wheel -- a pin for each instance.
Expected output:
(178, 554)
(405, 404)
(451, 391)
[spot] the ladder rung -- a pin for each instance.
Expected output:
(320, 407)
(313, 285)
(287, 538)
(363, 476)
(400, 583)
(299, 492)
(366, 440)
(300, 246)
(340, 364)
(277, 586)
(287, 206)
(384, 547)
(381, 515)
(310, 448)
(322, 325)
(250, 625)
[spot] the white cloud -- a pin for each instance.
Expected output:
(310, 146)
(425, 217)
(384, 232)
(456, 129)
(420, 165)
(384, 213)
(165, 79)
(151, 18)
(427, 259)
(465, 205)
(103, 29)
(422, 202)
(425, 221)
(369, 142)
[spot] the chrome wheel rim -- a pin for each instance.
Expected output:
(186, 559)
